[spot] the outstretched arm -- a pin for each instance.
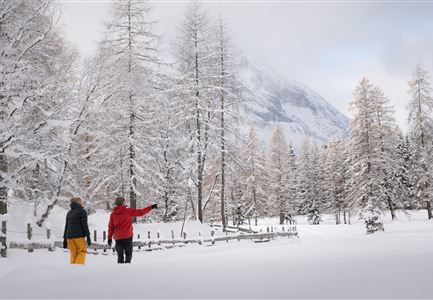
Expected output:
(138, 212)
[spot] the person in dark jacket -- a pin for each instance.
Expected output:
(120, 227)
(76, 230)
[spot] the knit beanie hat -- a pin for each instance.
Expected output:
(119, 201)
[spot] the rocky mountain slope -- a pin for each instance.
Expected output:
(268, 98)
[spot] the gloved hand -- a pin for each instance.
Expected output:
(110, 242)
(65, 244)
(89, 241)
(154, 206)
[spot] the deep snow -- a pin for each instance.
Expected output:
(327, 261)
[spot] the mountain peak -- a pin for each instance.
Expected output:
(269, 99)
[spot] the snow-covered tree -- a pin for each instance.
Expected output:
(166, 177)
(253, 176)
(121, 120)
(334, 170)
(277, 168)
(197, 106)
(421, 139)
(403, 175)
(389, 161)
(291, 181)
(36, 84)
(225, 88)
(363, 159)
(310, 183)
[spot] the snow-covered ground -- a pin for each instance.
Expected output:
(327, 261)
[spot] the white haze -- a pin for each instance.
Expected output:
(329, 46)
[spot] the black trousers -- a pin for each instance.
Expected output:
(124, 250)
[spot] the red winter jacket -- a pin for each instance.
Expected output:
(120, 225)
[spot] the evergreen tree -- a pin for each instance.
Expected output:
(363, 156)
(420, 139)
(334, 170)
(389, 161)
(36, 86)
(224, 87)
(310, 191)
(403, 175)
(194, 61)
(290, 178)
(253, 176)
(128, 56)
(277, 169)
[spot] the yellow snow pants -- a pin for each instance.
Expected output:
(77, 249)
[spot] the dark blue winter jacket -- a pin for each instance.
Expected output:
(76, 222)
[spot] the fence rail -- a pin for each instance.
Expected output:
(50, 243)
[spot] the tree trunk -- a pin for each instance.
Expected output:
(3, 203)
(429, 211)
(282, 212)
(232, 197)
(223, 217)
(391, 208)
(199, 189)
(198, 132)
(132, 179)
(223, 145)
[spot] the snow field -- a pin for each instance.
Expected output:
(327, 261)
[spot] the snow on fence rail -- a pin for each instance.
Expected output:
(49, 243)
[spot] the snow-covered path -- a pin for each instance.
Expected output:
(328, 261)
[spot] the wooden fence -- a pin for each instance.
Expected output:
(156, 241)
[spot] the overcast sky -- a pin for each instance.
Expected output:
(328, 46)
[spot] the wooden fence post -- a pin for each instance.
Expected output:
(199, 238)
(3, 247)
(184, 236)
(212, 233)
(227, 234)
(29, 236)
(104, 238)
(148, 236)
(95, 237)
(158, 237)
(172, 236)
(139, 240)
(48, 238)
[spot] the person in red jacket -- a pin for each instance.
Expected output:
(120, 227)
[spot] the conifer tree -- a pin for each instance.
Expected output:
(363, 156)
(194, 61)
(277, 168)
(389, 161)
(124, 112)
(334, 169)
(420, 139)
(253, 176)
